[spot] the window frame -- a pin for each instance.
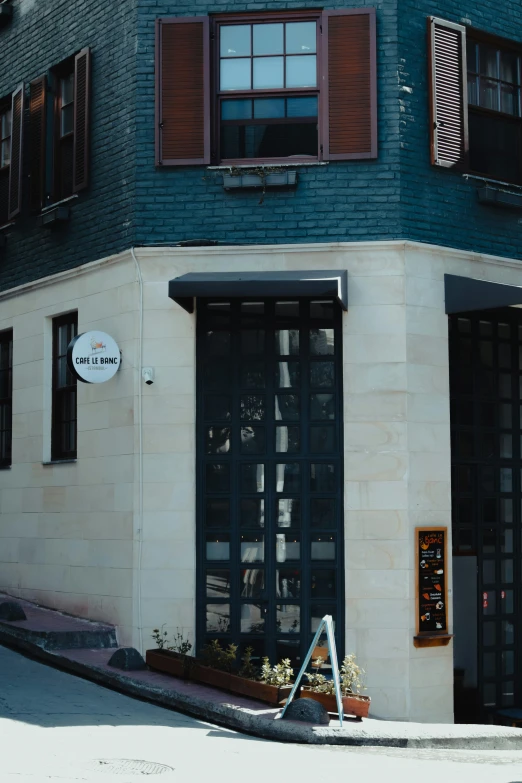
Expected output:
(60, 392)
(217, 95)
(500, 44)
(6, 339)
(5, 108)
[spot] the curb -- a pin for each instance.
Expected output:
(243, 721)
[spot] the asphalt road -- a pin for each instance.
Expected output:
(56, 727)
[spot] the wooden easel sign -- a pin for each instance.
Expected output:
(326, 625)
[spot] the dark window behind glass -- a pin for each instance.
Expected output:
(63, 441)
(6, 397)
(495, 124)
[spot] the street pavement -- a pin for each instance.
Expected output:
(57, 727)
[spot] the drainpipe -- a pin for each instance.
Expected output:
(139, 530)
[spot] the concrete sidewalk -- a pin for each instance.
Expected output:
(44, 629)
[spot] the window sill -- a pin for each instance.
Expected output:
(58, 204)
(494, 182)
(231, 166)
(60, 462)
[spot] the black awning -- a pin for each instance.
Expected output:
(328, 283)
(464, 294)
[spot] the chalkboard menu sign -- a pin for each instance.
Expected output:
(432, 598)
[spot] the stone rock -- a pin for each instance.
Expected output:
(308, 711)
(10, 610)
(128, 659)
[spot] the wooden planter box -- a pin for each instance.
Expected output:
(187, 667)
(352, 705)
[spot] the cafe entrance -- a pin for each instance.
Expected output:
(269, 462)
(485, 389)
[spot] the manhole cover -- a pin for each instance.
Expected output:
(129, 767)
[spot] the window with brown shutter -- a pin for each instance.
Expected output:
(38, 139)
(476, 111)
(285, 86)
(15, 165)
(5, 159)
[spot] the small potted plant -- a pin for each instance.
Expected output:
(170, 657)
(322, 690)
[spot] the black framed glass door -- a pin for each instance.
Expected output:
(269, 473)
(486, 383)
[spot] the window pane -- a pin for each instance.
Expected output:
(322, 439)
(268, 38)
(67, 122)
(253, 375)
(288, 583)
(321, 341)
(287, 439)
(302, 107)
(301, 71)
(288, 512)
(288, 547)
(252, 478)
(287, 374)
(252, 548)
(322, 374)
(322, 477)
(217, 513)
(5, 153)
(288, 477)
(272, 108)
(268, 73)
(322, 513)
(235, 74)
(236, 110)
(269, 141)
(509, 100)
(323, 583)
(488, 61)
(301, 37)
(218, 407)
(495, 144)
(287, 407)
(217, 546)
(288, 618)
(318, 611)
(252, 407)
(323, 547)
(509, 67)
(253, 440)
(252, 619)
(218, 478)
(252, 512)
(322, 406)
(218, 618)
(235, 40)
(252, 583)
(287, 341)
(218, 440)
(218, 584)
(67, 89)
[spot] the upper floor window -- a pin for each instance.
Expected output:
(268, 87)
(59, 138)
(6, 397)
(477, 128)
(11, 118)
(5, 137)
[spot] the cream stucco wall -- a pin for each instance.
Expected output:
(84, 538)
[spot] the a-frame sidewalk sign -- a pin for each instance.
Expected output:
(326, 624)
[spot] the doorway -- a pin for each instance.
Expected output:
(269, 473)
(485, 384)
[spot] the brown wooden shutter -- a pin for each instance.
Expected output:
(82, 95)
(448, 93)
(182, 91)
(349, 84)
(15, 169)
(37, 141)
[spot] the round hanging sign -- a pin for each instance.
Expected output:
(93, 357)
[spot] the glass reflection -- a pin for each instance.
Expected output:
(288, 512)
(217, 512)
(288, 618)
(252, 619)
(287, 439)
(253, 375)
(252, 478)
(323, 547)
(323, 583)
(287, 342)
(288, 375)
(288, 583)
(321, 342)
(287, 310)
(217, 546)
(252, 440)
(218, 583)
(252, 582)
(218, 618)
(322, 374)
(235, 74)
(322, 513)
(286, 407)
(322, 477)
(218, 478)
(268, 38)
(322, 406)
(218, 407)
(288, 547)
(252, 341)
(218, 440)
(322, 310)
(234, 40)
(322, 439)
(288, 477)
(252, 548)
(218, 343)
(252, 407)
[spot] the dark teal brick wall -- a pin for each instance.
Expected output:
(438, 205)
(42, 33)
(338, 202)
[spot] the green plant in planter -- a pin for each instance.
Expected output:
(214, 656)
(248, 669)
(179, 644)
(350, 675)
(279, 675)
